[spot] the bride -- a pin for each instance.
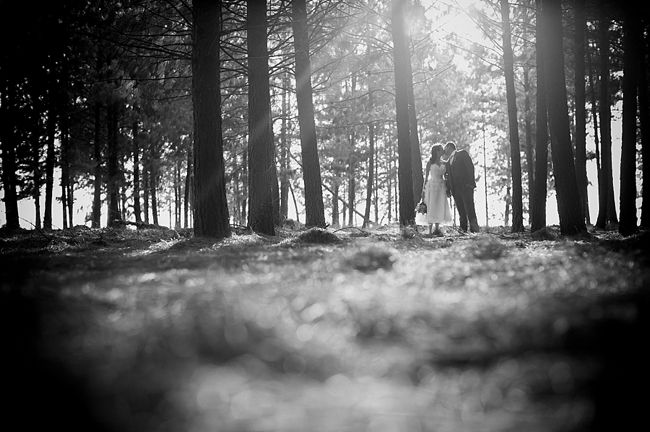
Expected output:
(434, 194)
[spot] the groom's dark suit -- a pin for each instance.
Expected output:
(460, 172)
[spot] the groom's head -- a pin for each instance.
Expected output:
(450, 147)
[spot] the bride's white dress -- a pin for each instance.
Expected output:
(435, 196)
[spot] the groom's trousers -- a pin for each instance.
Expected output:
(464, 198)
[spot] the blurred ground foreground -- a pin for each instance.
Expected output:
(366, 331)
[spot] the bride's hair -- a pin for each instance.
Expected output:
(436, 152)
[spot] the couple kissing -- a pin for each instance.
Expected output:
(449, 172)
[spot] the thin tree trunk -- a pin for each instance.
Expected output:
(314, 208)
(211, 217)
(36, 172)
(112, 183)
(528, 137)
(153, 186)
(538, 211)
(136, 172)
(594, 115)
(188, 183)
(376, 184)
(49, 162)
(65, 166)
(352, 184)
(335, 203)
(631, 39)
(644, 114)
(145, 188)
(97, 183)
(284, 150)
(508, 61)
(371, 167)
(568, 198)
(401, 63)
(606, 208)
(8, 142)
(580, 110)
(244, 201)
(389, 177)
(261, 154)
(295, 203)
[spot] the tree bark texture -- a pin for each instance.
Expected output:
(314, 209)
(112, 166)
(538, 208)
(580, 103)
(566, 188)
(511, 97)
(35, 140)
(528, 139)
(136, 171)
(631, 42)
(371, 168)
(401, 62)
(284, 150)
(606, 206)
(416, 154)
(261, 155)
(49, 162)
(211, 217)
(644, 114)
(97, 156)
(8, 140)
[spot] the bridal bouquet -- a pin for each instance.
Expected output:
(421, 208)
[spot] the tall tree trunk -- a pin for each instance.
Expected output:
(416, 154)
(211, 217)
(314, 209)
(538, 211)
(8, 140)
(244, 200)
(606, 208)
(631, 41)
(113, 172)
(188, 185)
(352, 183)
(284, 150)
(528, 138)
(153, 187)
(65, 166)
(511, 96)
(580, 110)
(528, 132)
(136, 172)
(389, 180)
(49, 162)
(371, 166)
(335, 203)
(145, 188)
(376, 184)
(261, 154)
(566, 187)
(644, 114)
(36, 170)
(594, 116)
(401, 63)
(97, 156)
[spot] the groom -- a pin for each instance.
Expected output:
(460, 174)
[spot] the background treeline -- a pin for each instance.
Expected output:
(219, 113)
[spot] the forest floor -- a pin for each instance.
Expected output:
(377, 330)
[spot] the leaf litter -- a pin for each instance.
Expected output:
(385, 331)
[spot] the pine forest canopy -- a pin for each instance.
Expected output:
(172, 112)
